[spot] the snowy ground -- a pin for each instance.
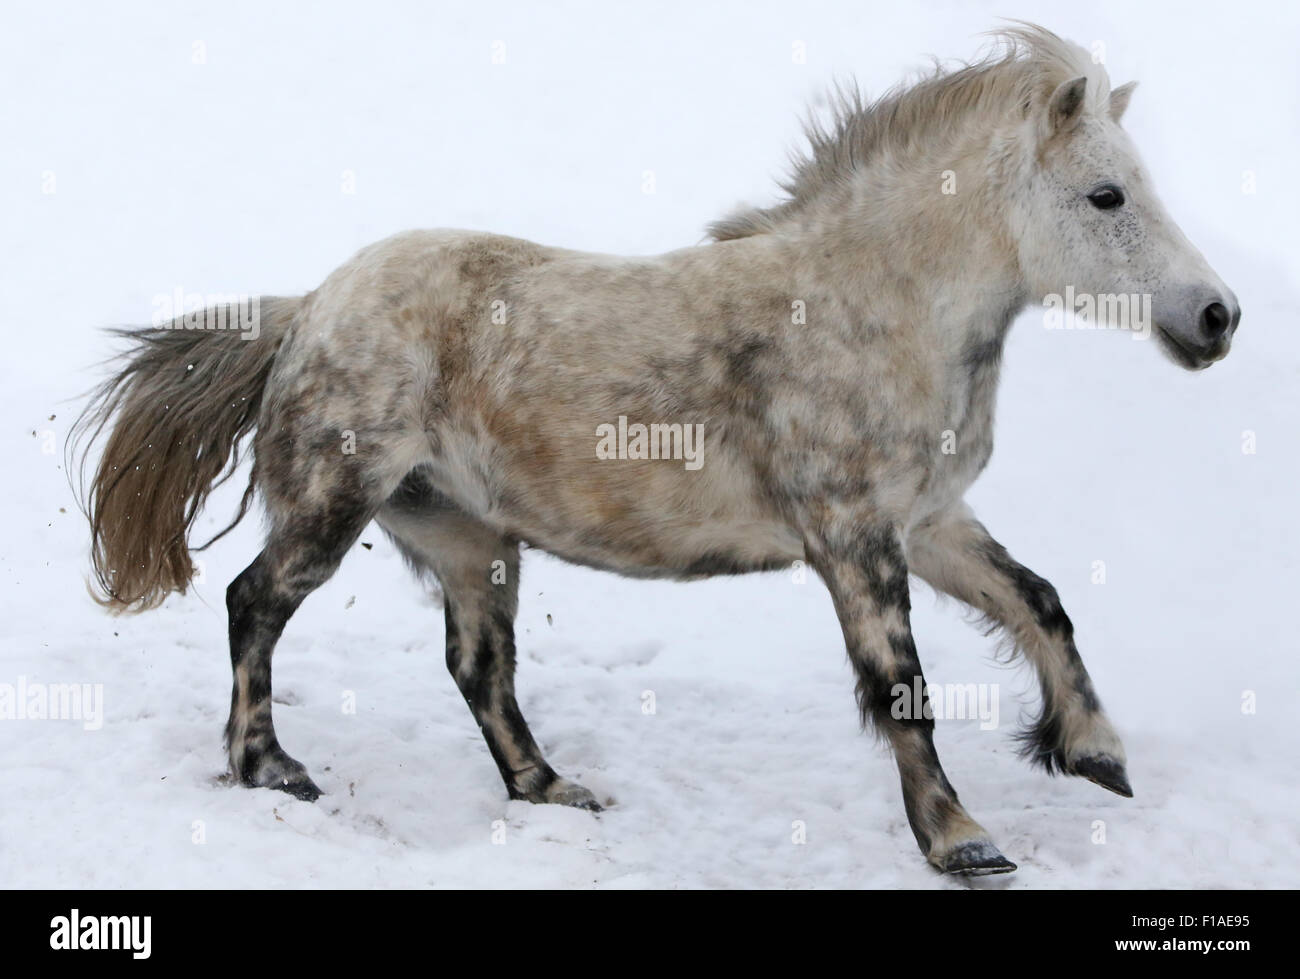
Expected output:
(229, 175)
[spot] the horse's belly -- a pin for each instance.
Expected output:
(657, 523)
(649, 518)
(680, 548)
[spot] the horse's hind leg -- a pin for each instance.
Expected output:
(955, 554)
(318, 507)
(479, 573)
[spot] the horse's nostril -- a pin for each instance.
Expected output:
(1215, 320)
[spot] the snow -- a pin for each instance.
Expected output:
(227, 176)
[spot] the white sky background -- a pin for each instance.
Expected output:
(227, 176)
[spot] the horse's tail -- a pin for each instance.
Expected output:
(175, 415)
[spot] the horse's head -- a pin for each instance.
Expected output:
(1089, 221)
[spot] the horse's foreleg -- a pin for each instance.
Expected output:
(956, 555)
(867, 577)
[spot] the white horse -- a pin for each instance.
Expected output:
(816, 384)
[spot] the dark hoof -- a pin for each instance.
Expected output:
(1106, 772)
(276, 770)
(978, 859)
(304, 789)
(300, 788)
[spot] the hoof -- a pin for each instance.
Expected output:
(276, 770)
(977, 858)
(1106, 772)
(562, 792)
(304, 789)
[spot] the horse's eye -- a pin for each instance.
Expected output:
(1107, 197)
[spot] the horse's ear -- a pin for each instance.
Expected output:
(1119, 99)
(1066, 104)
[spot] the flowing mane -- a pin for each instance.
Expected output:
(908, 122)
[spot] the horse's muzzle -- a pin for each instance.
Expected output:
(1209, 341)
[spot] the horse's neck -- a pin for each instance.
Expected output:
(945, 268)
(950, 277)
(941, 270)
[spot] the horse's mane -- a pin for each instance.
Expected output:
(1024, 66)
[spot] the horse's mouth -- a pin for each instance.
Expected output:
(1187, 356)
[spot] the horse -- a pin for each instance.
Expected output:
(814, 382)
